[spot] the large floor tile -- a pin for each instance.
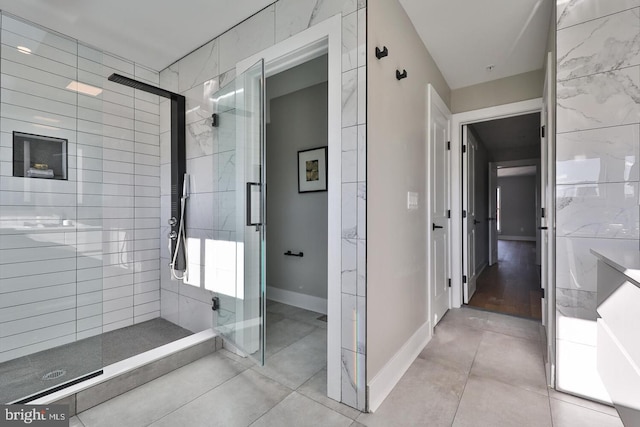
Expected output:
(283, 333)
(428, 394)
(490, 403)
(316, 389)
(511, 360)
(75, 422)
(595, 406)
(151, 401)
(294, 365)
(297, 410)
(469, 317)
(453, 345)
(238, 402)
(514, 326)
(296, 313)
(569, 415)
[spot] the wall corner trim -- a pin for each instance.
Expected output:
(384, 382)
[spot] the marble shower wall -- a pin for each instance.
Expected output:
(597, 179)
(211, 163)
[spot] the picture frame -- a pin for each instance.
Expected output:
(312, 170)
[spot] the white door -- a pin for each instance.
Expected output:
(469, 221)
(439, 119)
(493, 213)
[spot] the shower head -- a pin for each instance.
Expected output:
(118, 78)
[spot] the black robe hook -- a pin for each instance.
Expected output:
(382, 53)
(400, 75)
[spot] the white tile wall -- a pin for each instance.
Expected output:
(59, 283)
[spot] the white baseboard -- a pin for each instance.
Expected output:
(296, 299)
(380, 386)
(521, 238)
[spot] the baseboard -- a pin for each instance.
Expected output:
(382, 384)
(481, 269)
(516, 238)
(296, 299)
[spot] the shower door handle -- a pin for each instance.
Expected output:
(251, 221)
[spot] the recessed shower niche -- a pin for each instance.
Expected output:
(38, 156)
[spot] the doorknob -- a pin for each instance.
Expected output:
(543, 228)
(475, 221)
(436, 226)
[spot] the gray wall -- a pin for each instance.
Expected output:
(482, 203)
(296, 221)
(396, 157)
(518, 206)
(497, 92)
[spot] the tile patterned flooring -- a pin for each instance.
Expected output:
(480, 369)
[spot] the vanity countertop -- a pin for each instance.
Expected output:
(626, 262)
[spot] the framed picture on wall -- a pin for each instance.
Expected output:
(312, 170)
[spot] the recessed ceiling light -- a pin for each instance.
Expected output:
(23, 49)
(84, 88)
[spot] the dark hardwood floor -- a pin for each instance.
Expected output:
(512, 285)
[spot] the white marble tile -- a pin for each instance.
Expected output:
(200, 211)
(199, 102)
(572, 12)
(598, 210)
(293, 16)
(199, 139)
(362, 153)
(226, 132)
(599, 100)
(199, 66)
(350, 154)
(576, 304)
(362, 268)
(201, 171)
(169, 78)
(353, 323)
(349, 98)
(604, 44)
(349, 211)
(599, 155)
(227, 211)
(349, 266)
(195, 315)
(226, 171)
(362, 95)
(576, 265)
(353, 379)
(362, 37)
(362, 210)
(251, 36)
(350, 42)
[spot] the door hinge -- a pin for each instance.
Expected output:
(464, 279)
(542, 131)
(449, 282)
(449, 214)
(464, 148)
(543, 293)
(542, 213)
(464, 214)
(448, 145)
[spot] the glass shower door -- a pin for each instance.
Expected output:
(240, 318)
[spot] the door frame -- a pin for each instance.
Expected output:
(325, 37)
(457, 121)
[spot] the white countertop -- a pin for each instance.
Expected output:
(626, 262)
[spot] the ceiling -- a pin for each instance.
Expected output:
(154, 33)
(465, 36)
(509, 133)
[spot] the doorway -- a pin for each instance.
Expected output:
(502, 200)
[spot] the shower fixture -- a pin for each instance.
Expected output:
(178, 161)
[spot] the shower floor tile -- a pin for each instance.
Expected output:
(24, 376)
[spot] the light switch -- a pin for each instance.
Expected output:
(412, 200)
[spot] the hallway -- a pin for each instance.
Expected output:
(512, 285)
(480, 369)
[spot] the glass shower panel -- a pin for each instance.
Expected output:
(50, 222)
(240, 107)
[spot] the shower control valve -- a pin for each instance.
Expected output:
(173, 235)
(173, 221)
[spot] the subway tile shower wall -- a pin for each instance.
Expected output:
(211, 160)
(598, 154)
(82, 256)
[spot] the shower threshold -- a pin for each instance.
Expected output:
(29, 377)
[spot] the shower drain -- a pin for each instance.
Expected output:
(54, 375)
